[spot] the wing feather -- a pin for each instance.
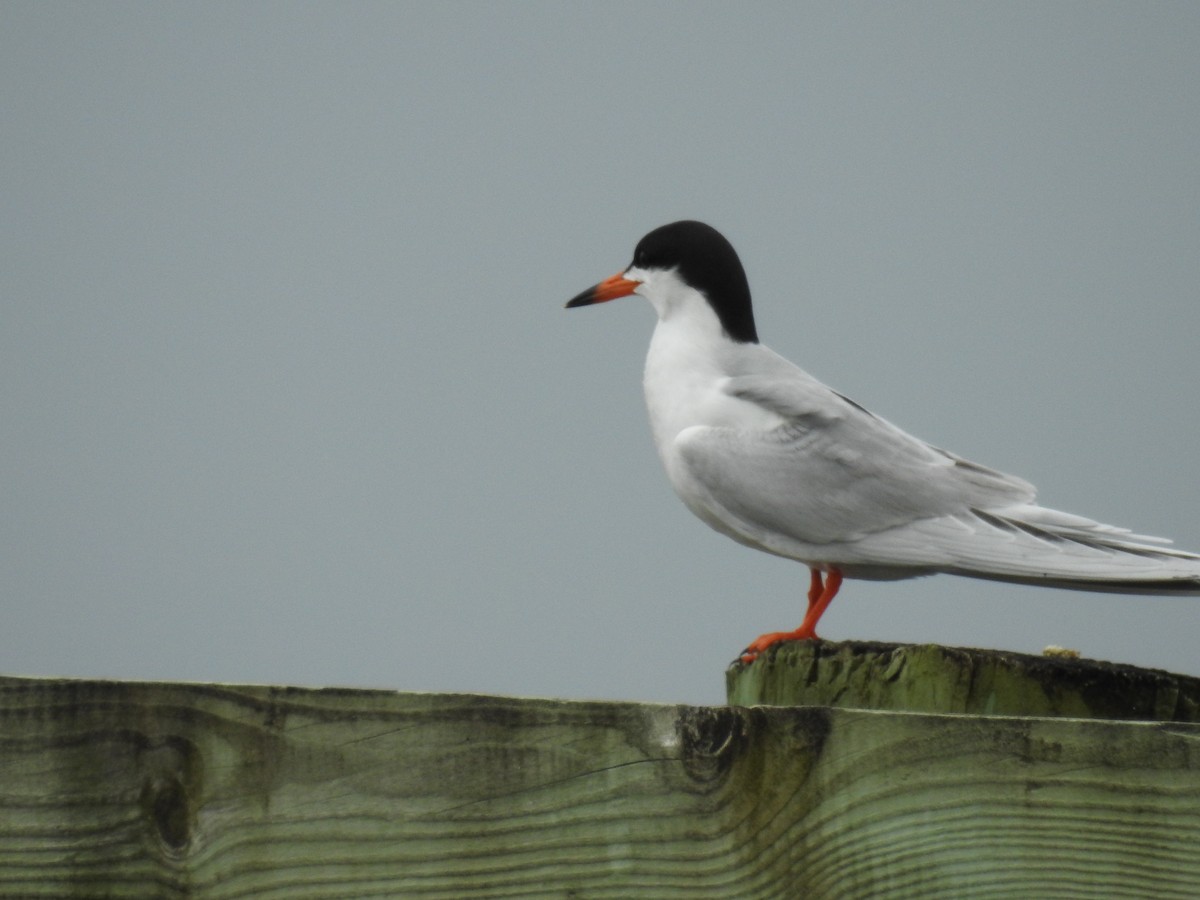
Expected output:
(832, 472)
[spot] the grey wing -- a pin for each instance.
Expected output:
(832, 472)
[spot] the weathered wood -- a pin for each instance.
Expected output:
(201, 791)
(931, 678)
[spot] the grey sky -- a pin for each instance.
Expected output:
(287, 392)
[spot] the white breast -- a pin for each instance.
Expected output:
(688, 365)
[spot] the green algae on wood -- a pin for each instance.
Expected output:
(932, 678)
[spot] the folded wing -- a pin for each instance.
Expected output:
(836, 477)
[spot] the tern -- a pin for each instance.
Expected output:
(768, 455)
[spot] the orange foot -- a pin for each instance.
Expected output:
(820, 595)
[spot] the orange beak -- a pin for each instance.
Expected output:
(609, 289)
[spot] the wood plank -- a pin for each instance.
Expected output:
(201, 791)
(932, 678)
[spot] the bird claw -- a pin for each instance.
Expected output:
(766, 641)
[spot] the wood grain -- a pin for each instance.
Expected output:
(933, 678)
(165, 790)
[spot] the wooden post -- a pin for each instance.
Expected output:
(118, 789)
(936, 679)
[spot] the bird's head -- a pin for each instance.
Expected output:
(685, 267)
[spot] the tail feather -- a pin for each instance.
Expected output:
(1031, 544)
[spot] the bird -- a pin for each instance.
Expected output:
(767, 455)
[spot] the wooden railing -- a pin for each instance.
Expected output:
(118, 789)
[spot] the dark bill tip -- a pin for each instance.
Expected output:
(587, 298)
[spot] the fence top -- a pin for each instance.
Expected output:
(935, 679)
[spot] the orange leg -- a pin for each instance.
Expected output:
(820, 595)
(816, 588)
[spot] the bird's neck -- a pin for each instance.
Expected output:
(685, 367)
